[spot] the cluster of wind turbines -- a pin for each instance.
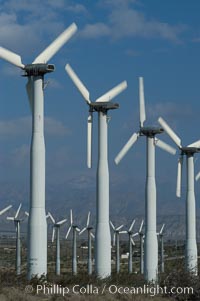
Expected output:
(37, 229)
(56, 225)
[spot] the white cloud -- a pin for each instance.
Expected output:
(20, 155)
(95, 31)
(169, 110)
(54, 127)
(125, 21)
(77, 8)
(54, 84)
(26, 25)
(22, 126)
(129, 22)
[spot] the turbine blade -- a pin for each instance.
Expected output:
(11, 57)
(18, 210)
(142, 102)
(9, 218)
(112, 225)
(92, 235)
(51, 217)
(179, 176)
(71, 217)
(77, 229)
(195, 144)
(197, 176)
(5, 209)
(53, 48)
(29, 90)
(118, 228)
(132, 224)
(162, 228)
(82, 231)
(88, 219)
(170, 132)
(165, 146)
(140, 230)
(126, 147)
(68, 232)
(53, 234)
(133, 243)
(112, 93)
(27, 214)
(89, 140)
(135, 234)
(78, 83)
(123, 232)
(62, 222)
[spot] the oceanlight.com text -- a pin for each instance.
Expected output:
(112, 289)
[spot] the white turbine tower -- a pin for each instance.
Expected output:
(160, 235)
(5, 209)
(74, 249)
(151, 243)
(90, 236)
(56, 231)
(131, 244)
(17, 222)
(188, 151)
(116, 244)
(37, 229)
(141, 234)
(102, 231)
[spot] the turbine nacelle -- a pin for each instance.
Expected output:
(103, 106)
(18, 220)
(190, 150)
(38, 69)
(90, 228)
(150, 131)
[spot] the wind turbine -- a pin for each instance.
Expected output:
(56, 230)
(151, 243)
(17, 222)
(141, 234)
(5, 209)
(116, 244)
(188, 151)
(90, 236)
(102, 231)
(74, 253)
(131, 244)
(160, 235)
(37, 229)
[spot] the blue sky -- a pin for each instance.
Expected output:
(116, 40)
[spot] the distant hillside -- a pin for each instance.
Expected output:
(126, 203)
